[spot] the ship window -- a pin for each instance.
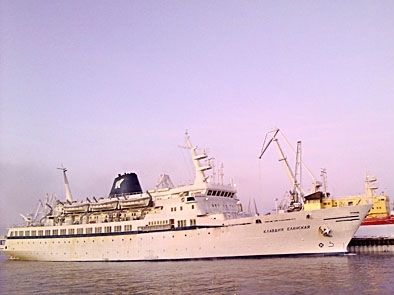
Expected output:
(47, 232)
(222, 194)
(63, 231)
(192, 206)
(107, 229)
(258, 221)
(71, 231)
(11, 234)
(181, 223)
(79, 231)
(21, 233)
(40, 232)
(89, 230)
(117, 228)
(190, 199)
(180, 208)
(209, 193)
(55, 232)
(98, 230)
(127, 227)
(33, 232)
(27, 233)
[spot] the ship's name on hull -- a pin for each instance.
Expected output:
(289, 228)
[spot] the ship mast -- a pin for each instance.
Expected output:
(370, 185)
(196, 158)
(69, 197)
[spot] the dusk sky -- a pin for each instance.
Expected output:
(106, 87)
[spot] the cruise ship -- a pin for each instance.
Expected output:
(203, 220)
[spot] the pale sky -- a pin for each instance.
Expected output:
(106, 87)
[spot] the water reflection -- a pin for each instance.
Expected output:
(355, 274)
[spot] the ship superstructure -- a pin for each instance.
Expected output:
(202, 220)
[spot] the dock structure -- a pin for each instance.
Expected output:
(371, 245)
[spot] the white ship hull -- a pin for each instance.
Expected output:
(277, 234)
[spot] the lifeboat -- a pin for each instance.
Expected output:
(76, 208)
(104, 205)
(135, 201)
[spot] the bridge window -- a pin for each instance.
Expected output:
(98, 230)
(79, 231)
(209, 193)
(71, 231)
(40, 233)
(89, 230)
(63, 231)
(55, 232)
(117, 228)
(47, 232)
(107, 229)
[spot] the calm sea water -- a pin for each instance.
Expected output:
(350, 274)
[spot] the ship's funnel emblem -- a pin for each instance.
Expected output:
(125, 184)
(118, 183)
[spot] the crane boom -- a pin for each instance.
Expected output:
(293, 176)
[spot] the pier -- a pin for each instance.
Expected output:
(371, 245)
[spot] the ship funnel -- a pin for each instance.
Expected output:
(126, 184)
(69, 197)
